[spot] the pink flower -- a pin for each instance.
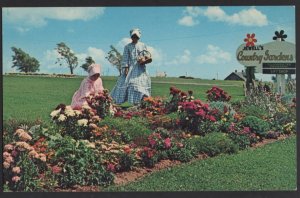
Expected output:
(6, 155)
(212, 118)
(8, 147)
(246, 130)
(201, 113)
(16, 179)
(9, 159)
(152, 142)
(56, 169)
(6, 165)
(167, 143)
(110, 167)
(16, 170)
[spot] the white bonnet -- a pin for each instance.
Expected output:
(94, 69)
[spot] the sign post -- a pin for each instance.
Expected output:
(275, 57)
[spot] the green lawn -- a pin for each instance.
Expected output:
(29, 98)
(272, 167)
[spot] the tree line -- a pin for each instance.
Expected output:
(26, 63)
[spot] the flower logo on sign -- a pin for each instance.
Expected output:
(250, 40)
(280, 35)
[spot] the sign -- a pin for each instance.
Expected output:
(273, 52)
(279, 71)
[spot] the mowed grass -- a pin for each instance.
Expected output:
(269, 168)
(31, 98)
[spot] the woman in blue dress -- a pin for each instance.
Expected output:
(134, 83)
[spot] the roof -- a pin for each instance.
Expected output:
(236, 75)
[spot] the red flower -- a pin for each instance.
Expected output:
(212, 118)
(250, 40)
(167, 143)
(152, 142)
(110, 167)
(201, 113)
(56, 169)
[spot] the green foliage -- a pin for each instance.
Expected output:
(23, 61)
(67, 55)
(272, 167)
(252, 110)
(88, 61)
(256, 125)
(183, 154)
(135, 129)
(126, 162)
(220, 105)
(213, 144)
(242, 140)
(79, 164)
(29, 177)
(287, 99)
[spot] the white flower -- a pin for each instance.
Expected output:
(82, 122)
(54, 113)
(77, 112)
(62, 117)
(86, 106)
(70, 112)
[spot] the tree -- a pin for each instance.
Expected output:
(24, 62)
(66, 55)
(115, 58)
(88, 61)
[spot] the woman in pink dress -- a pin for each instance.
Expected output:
(90, 85)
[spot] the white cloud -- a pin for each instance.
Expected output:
(22, 29)
(187, 21)
(247, 17)
(156, 55)
(37, 17)
(185, 58)
(213, 55)
(192, 11)
(121, 44)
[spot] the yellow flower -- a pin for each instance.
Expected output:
(55, 113)
(82, 122)
(62, 117)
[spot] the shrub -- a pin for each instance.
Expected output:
(252, 110)
(217, 94)
(287, 99)
(256, 125)
(195, 114)
(223, 107)
(148, 157)
(213, 144)
(126, 162)
(135, 129)
(78, 164)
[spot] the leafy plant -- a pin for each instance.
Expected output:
(213, 144)
(256, 125)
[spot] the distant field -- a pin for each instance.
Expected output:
(29, 98)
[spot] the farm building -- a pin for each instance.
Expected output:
(236, 76)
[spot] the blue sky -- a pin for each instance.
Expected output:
(196, 41)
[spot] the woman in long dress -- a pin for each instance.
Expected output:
(134, 83)
(90, 85)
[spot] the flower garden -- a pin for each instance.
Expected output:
(89, 147)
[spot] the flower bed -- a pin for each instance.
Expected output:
(88, 147)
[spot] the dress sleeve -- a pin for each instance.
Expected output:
(85, 89)
(99, 85)
(125, 58)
